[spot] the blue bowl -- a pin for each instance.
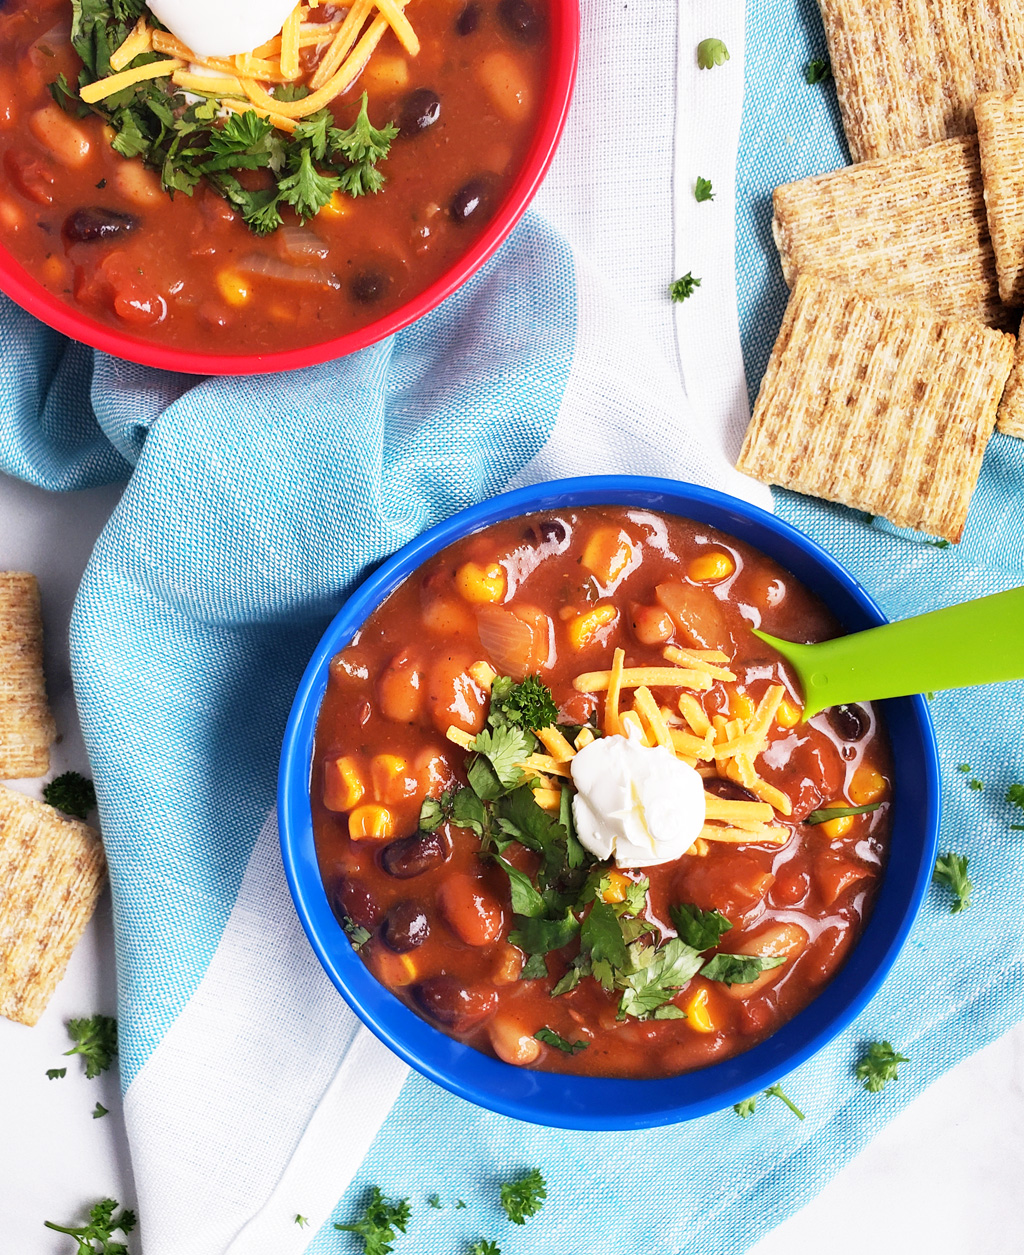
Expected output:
(579, 1102)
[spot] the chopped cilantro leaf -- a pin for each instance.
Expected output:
(817, 70)
(702, 190)
(95, 1039)
(432, 812)
(55, 1074)
(539, 935)
(776, 1091)
(746, 1108)
(951, 871)
(356, 933)
(711, 52)
(485, 1247)
(380, 1219)
(459, 1204)
(976, 785)
(601, 937)
(682, 288)
(71, 793)
(879, 1065)
(550, 1038)
(963, 768)
(528, 705)
(653, 978)
(503, 748)
(701, 929)
(525, 1197)
(738, 969)
(99, 1111)
(1015, 795)
(435, 1201)
(301, 1221)
(535, 968)
(839, 812)
(104, 1222)
(526, 900)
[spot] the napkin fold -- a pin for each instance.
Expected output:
(251, 1095)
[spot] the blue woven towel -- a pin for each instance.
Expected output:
(256, 504)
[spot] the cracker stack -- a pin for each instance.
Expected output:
(881, 405)
(1011, 408)
(1001, 152)
(26, 726)
(911, 225)
(909, 71)
(51, 873)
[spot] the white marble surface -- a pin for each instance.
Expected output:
(942, 1178)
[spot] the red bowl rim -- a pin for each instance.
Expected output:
(27, 292)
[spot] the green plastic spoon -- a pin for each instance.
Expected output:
(977, 642)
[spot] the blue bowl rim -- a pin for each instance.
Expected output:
(598, 1104)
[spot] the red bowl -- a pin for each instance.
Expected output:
(27, 292)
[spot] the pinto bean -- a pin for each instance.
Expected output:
(472, 911)
(511, 1043)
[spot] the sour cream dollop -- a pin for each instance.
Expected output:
(222, 28)
(636, 804)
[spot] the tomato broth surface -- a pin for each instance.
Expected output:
(97, 229)
(554, 596)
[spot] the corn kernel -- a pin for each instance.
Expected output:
(607, 553)
(617, 887)
(697, 1014)
(233, 288)
(390, 777)
(787, 715)
(836, 828)
(480, 584)
(586, 626)
(867, 785)
(394, 970)
(484, 674)
(711, 566)
(370, 821)
(338, 206)
(343, 784)
(742, 706)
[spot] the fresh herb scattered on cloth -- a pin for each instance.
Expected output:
(104, 1222)
(878, 1066)
(95, 1040)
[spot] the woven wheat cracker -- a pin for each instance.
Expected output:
(880, 405)
(1001, 152)
(912, 226)
(909, 71)
(51, 873)
(1011, 407)
(26, 725)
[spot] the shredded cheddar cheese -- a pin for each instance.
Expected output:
(139, 40)
(104, 87)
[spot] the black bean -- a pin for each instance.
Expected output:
(405, 927)
(471, 198)
(368, 286)
(553, 530)
(468, 20)
(728, 790)
(849, 723)
(521, 20)
(420, 110)
(412, 856)
(447, 1002)
(85, 225)
(351, 897)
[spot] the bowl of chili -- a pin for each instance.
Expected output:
(617, 1101)
(151, 259)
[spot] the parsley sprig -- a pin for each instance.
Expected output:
(951, 871)
(525, 1197)
(381, 1219)
(702, 190)
(71, 793)
(682, 289)
(748, 1106)
(878, 1066)
(186, 141)
(95, 1040)
(711, 52)
(104, 1221)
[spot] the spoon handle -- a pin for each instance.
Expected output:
(976, 642)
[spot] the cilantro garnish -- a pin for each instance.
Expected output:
(501, 749)
(380, 1220)
(71, 793)
(682, 288)
(701, 929)
(459, 1204)
(838, 812)
(525, 1197)
(55, 1074)
(653, 978)
(879, 1065)
(103, 1224)
(1015, 795)
(435, 1201)
(356, 933)
(485, 1247)
(301, 1221)
(95, 1039)
(738, 969)
(550, 1038)
(702, 190)
(711, 52)
(99, 1111)
(817, 70)
(951, 871)
(748, 1106)
(186, 141)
